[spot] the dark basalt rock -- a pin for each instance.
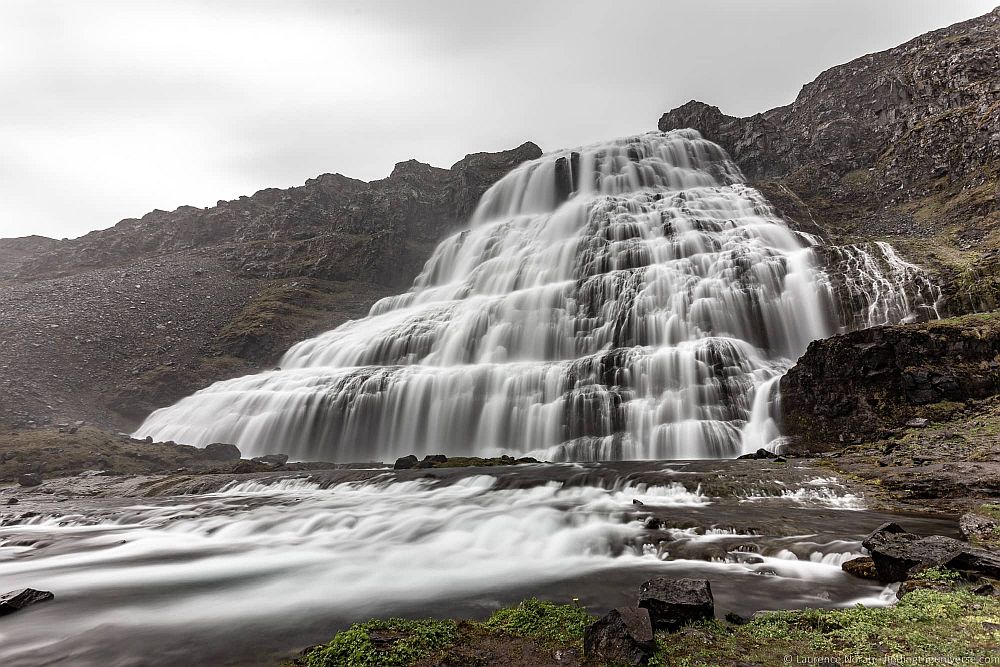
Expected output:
(867, 382)
(222, 451)
(760, 454)
(673, 603)
(405, 462)
(623, 636)
(897, 554)
(30, 479)
(18, 600)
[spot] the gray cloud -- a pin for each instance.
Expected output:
(112, 108)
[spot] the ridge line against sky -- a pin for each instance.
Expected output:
(115, 107)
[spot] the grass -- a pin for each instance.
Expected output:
(391, 643)
(926, 623)
(545, 621)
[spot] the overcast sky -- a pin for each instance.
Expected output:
(111, 109)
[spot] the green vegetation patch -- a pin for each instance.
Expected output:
(544, 621)
(390, 643)
(925, 623)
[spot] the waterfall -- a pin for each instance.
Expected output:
(633, 299)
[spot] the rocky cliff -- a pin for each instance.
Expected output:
(867, 384)
(109, 326)
(902, 145)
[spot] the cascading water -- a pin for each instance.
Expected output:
(629, 300)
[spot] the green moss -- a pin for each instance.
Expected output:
(924, 623)
(939, 575)
(544, 621)
(391, 643)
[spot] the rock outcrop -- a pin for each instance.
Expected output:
(858, 386)
(112, 325)
(898, 555)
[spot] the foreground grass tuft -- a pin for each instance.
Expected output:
(391, 643)
(544, 621)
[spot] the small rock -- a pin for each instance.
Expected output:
(7, 456)
(863, 567)
(918, 422)
(983, 589)
(222, 451)
(12, 501)
(636, 501)
(436, 458)
(623, 636)
(30, 479)
(18, 600)
(652, 523)
(405, 462)
(272, 459)
(736, 619)
(979, 528)
(673, 603)
(760, 454)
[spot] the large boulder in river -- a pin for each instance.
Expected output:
(673, 603)
(30, 479)
(898, 554)
(222, 451)
(405, 462)
(19, 599)
(623, 636)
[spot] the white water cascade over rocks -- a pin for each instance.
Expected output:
(628, 300)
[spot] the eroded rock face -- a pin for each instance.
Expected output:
(929, 102)
(673, 603)
(853, 387)
(623, 636)
(901, 146)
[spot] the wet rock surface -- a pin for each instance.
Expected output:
(18, 600)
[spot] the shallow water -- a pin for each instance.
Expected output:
(257, 571)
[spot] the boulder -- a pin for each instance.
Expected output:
(405, 462)
(430, 461)
(222, 451)
(30, 479)
(863, 567)
(272, 459)
(898, 554)
(652, 523)
(673, 603)
(979, 528)
(623, 636)
(759, 455)
(12, 501)
(918, 422)
(18, 600)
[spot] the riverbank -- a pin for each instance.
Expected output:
(944, 627)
